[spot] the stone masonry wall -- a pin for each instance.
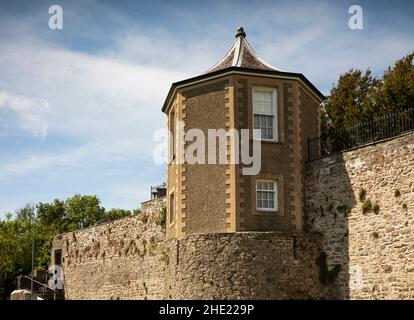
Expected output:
(122, 259)
(130, 259)
(246, 265)
(375, 248)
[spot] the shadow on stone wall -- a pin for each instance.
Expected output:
(329, 200)
(362, 202)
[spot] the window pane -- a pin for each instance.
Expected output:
(265, 204)
(269, 121)
(269, 126)
(256, 122)
(265, 124)
(260, 121)
(262, 101)
(269, 134)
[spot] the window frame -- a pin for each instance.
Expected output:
(171, 206)
(274, 114)
(172, 140)
(275, 192)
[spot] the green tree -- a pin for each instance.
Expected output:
(83, 211)
(358, 98)
(396, 90)
(51, 219)
(26, 213)
(351, 102)
(114, 214)
(52, 216)
(41, 223)
(15, 252)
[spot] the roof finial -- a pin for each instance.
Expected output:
(240, 32)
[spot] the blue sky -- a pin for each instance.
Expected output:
(79, 106)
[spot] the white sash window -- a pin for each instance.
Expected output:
(265, 113)
(266, 196)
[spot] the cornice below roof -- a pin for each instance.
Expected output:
(239, 70)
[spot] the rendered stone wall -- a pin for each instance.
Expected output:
(204, 184)
(375, 249)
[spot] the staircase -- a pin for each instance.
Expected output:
(40, 289)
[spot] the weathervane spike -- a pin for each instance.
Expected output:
(240, 32)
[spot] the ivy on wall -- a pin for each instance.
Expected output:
(327, 275)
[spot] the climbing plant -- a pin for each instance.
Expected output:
(327, 275)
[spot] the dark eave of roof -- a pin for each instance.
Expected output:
(239, 70)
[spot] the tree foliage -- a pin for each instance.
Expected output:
(83, 211)
(39, 223)
(15, 252)
(358, 97)
(396, 90)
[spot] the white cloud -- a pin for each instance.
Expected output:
(31, 112)
(111, 106)
(162, 49)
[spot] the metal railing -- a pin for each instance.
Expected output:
(39, 289)
(378, 129)
(158, 191)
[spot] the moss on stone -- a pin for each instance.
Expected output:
(366, 206)
(362, 194)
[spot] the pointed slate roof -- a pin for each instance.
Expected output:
(242, 55)
(240, 59)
